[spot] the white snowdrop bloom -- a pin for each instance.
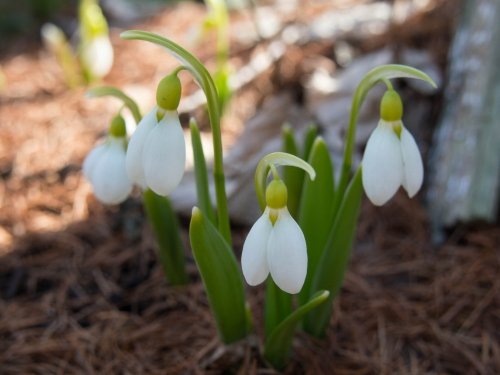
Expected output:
(136, 146)
(391, 157)
(104, 167)
(276, 245)
(156, 153)
(97, 56)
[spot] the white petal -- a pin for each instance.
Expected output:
(287, 254)
(97, 56)
(109, 179)
(413, 168)
(136, 146)
(91, 160)
(382, 165)
(254, 257)
(164, 155)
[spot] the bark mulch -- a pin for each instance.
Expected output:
(92, 298)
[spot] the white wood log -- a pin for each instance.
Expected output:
(465, 161)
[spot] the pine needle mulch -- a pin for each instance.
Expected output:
(92, 299)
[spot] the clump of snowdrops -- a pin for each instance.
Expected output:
(301, 243)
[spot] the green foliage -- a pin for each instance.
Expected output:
(221, 276)
(279, 343)
(316, 211)
(167, 233)
(201, 174)
(333, 262)
(293, 177)
(278, 305)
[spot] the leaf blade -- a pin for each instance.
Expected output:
(279, 343)
(200, 171)
(316, 210)
(221, 277)
(333, 263)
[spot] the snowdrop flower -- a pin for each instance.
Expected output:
(276, 245)
(391, 157)
(156, 153)
(97, 56)
(96, 51)
(104, 166)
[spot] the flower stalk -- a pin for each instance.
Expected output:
(203, 78)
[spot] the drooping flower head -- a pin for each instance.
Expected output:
(104, 166)
(96, 51)
(391, 157)
(156, 154)
(276, 245)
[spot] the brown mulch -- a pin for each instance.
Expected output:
(92, 299)
(81, 291)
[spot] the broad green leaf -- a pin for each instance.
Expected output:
(309, 138)
(201, 174)
(167, 233)
(332, 266)
(113, 91)
(293, 177)
(221, 276)
(279, 343)
(316, 211)
(278, 305)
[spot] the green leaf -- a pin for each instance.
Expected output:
(278, 305)
(316, 211)
(221, 276)
(203, 78)
(113, 91)
(293, 177)
(310, 137)
(279, 343)
(332, 266)
(166, 229)
(201, 174)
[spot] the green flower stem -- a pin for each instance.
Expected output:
(113, 91)
(381, 73)
(166, 229)
(276, 159)
(221, 20)
(205, 81)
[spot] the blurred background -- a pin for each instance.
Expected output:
(81, 290)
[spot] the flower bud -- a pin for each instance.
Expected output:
(391, 106)
(118, 127)
(276, 194)
(168, 93)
